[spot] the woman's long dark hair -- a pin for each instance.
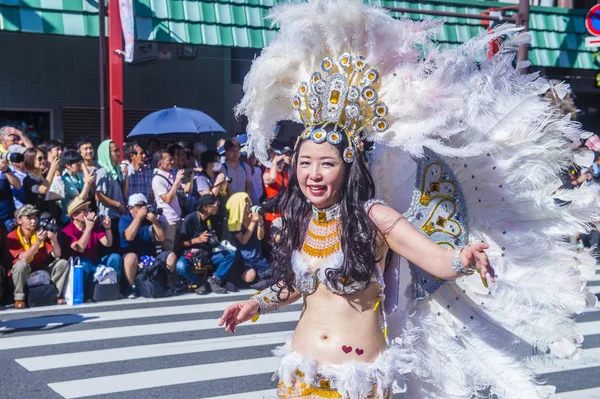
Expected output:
(359, 232)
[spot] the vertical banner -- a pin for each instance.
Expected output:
(126, 11)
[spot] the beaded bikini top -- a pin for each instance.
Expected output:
(306, 280)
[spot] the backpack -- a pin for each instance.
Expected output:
(155, 281)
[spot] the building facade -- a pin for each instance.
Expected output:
(198, 51)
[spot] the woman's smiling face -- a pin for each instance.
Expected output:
(320, 172)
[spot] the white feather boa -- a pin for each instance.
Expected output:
(506, 146)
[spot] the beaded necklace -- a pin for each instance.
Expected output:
(324, 233)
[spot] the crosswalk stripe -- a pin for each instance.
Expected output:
(240, 295)
(165, 377)
(589, 328)
(266, 394)
(595, 289)
(87, 358)
(589, 358)
(592, 393)
(29, 341)
(129, 314)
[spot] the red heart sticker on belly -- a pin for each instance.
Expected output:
(359, 351)
(347, 349)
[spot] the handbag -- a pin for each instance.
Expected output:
(57, 190)
(74, 288)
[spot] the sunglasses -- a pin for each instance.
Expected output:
(41, 158)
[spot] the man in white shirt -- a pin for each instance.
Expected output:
(164, 187)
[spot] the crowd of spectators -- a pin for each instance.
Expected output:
(198, 210)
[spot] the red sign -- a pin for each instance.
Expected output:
(592, 20)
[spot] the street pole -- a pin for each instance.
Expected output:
(102, 66)
(115, 57)
(523, 20)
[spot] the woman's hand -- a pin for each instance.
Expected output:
(474, 257)
(255, 217)
(106, 222)
(237, 314)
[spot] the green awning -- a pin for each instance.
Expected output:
(558, 34)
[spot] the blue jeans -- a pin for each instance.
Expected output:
(223, 261)
(112, 260)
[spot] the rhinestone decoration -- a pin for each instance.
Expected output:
(380, 125)
(327, 64)
(334, 137)
(372, 76)
(344, 95)
(314, 102)
(381, 110)
(303, 89)
(369, 94)
(345, 60)
(349, 154)
(359, 63)
(353, 93)
(296, 103)
(319, 136)
(353, 111)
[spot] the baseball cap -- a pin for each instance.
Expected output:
(25, 210)
(16, 148)
(206, 199)
(135, 199)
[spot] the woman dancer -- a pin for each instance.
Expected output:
(463, 147)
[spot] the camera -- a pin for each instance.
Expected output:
(48, 224)
(213, 241)
(257, 209)
(228, 179)
(154, 210)
(12, 157)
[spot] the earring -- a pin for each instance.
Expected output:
(308, 201)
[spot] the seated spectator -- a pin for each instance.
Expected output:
(18, 168)
(33, 250)
(139, 231)
(83, 237)
(247, 229)
(36, 186)
(140, 175)
(86, 149)
(111, 187)
(196, 231)
(164, 188)
(78, 181)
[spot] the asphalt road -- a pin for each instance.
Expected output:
(172, 348)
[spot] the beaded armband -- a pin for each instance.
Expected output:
(457, 264)
(268, 300)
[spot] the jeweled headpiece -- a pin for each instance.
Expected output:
(345, 95)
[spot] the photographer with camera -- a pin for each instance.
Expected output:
(8, 181)
(84, 237)
(199, 239)
(165, 184)
(247, 227)
(34, 248)
(10, 135)
(139, 231)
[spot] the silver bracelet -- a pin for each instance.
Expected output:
(457, 264)
(268, 300)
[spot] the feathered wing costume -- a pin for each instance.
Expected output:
(468, 149)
